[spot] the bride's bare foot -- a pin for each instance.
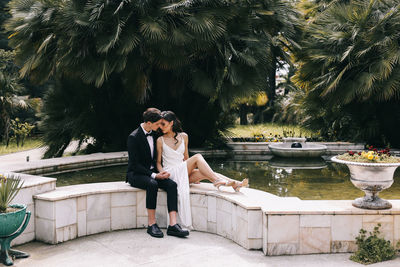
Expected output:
(237, 185)
(220, 182)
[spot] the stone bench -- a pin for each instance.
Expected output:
(79, 210)
(252, 218)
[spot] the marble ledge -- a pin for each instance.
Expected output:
(74, 191)
(65, 161)
(325, 207)
(86, 167)
(32, 180)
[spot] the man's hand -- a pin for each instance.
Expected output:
(163, 175)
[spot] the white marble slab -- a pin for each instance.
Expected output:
(123, 217)
(315, 240)
(283, 229)
(66, 211)
(345, 227)
(98, 226)
(123, 199)
(199, 218)
(81, 223)
(98, 207)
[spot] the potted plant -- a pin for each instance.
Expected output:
(11, 218)
(371, 172)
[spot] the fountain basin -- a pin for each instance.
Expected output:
(306, 151)
(298, 164)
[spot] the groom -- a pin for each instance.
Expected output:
(143, 174)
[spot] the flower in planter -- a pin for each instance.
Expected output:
(372, 156)
(9, 188)
(351, 153)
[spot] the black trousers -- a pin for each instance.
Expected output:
(151, 186)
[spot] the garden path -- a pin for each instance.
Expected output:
(34, 154)
(135, 247)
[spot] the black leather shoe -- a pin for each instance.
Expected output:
(176, 230)
(155, 231)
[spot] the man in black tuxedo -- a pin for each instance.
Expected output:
(143, 174)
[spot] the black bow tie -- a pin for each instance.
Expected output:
(149, 134)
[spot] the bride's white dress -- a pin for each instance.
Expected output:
(172, 161)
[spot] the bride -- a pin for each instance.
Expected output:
(173, 157)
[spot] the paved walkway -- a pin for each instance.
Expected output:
(34, 154)
(137, 248)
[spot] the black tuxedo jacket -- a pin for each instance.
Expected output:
(140, 159)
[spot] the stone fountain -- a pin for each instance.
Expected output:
(296, 147)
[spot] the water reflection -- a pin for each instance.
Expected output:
(306, 179)
(300, 163)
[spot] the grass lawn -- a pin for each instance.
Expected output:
(268, 129)
(30, 143)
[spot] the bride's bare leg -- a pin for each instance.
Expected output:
(196, 177)
(207, 173)
(197, 161)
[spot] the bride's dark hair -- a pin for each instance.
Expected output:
(177, 126)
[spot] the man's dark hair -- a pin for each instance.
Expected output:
(152, 115)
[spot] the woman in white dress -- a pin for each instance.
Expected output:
(173, 157)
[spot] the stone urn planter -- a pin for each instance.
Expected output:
(371, 178)
(12, 224)
(13, 217)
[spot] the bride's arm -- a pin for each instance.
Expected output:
(159, 155)
(186, 153)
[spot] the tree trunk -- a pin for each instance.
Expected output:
(243, 109)
(271, 91)
(6, 129)
(261, 112)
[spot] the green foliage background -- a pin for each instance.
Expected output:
(348, 73)
(104, 62)
(112, 59)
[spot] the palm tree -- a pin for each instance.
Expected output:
(350, 61)
(152, 48)
(4, 15)
(353, 52)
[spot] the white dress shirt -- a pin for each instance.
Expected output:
(150, 140)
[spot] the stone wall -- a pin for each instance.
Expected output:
(309, 234)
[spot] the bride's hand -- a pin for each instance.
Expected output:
(163, 175)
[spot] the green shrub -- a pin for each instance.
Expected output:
(9, 188)
(372, 249)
